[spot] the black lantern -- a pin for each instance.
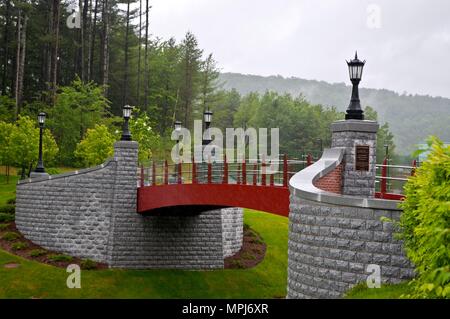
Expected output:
(207, 118)
(177, 126)
(355, 69)
(126, 135)
(40, 165)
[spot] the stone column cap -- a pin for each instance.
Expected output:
(355, 126)
(126, 144)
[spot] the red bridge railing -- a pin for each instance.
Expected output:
(391, 179)
(251, 172)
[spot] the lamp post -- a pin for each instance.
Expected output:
(126, 135)
(40, 165)
(355, 68)
(207, 118)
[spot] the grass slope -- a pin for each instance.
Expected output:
(267, 280)
(7, 191)
(385, 292)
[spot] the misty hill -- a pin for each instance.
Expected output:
(412, 118)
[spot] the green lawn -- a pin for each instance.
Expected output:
(267, 280)
(7, 191)
(385, 292)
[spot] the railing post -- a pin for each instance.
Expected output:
(225, 170)
(414, 166)
(383, 186)
(255, 174)
(285, 171)
(180, 172)
(263, 172)
(142, 176)
(244, 173)
(194, 171)
(308, 160)
(166, 172)
(209, 171)
(239, 174)
(153, 174)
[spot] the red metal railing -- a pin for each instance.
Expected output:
(158, 173)
(390, 182)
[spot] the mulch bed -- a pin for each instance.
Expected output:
(46, 254)
(251, 254)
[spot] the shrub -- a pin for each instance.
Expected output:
(6, 218)
(4, 226)
(425, 223)
(53, 171)
(60, 258)
(88, 264)
(10, 236)
(38, 252)
(7, 209)
(19, 246)
(11, 201)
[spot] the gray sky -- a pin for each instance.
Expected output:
(409, 50)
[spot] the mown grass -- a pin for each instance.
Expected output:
(7, 191)
(266, 280)
(361, 291)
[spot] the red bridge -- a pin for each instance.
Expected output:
(222, 184)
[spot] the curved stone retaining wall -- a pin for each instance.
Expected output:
(333, 238)
(92, 214)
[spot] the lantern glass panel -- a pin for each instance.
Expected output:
(41, 118)
(127, 111)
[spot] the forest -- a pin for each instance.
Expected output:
(404, 112)
(82, 61)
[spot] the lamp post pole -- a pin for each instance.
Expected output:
(40, 165)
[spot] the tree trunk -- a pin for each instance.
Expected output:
(18, 59)
(138, 90)
(94, 33)
(54, 67)
(125, 76)
(21, 66)
(6, 46)
(146, 71)
(105, 52)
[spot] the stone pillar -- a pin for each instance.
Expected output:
(125, 183)
(359, 138)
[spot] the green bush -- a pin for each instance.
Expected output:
(6, 218)
(7, 209)
(60, 258)
(53, 171)
(19, 246)
(38, 252)
(4, 226)
(11, 201)
(88, 264)
(10, 236)
(425, 223)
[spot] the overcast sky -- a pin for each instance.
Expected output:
(406, 45)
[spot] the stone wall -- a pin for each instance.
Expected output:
(70, 213)
(232, 225)
(92, 214)
(330, 247)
